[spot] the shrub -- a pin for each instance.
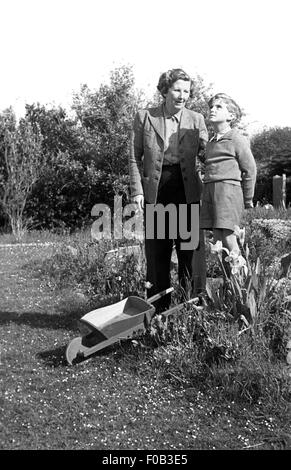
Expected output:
(83, 266)
(206, 351)
(67, 192)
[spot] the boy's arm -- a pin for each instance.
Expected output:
(135, 156)
(248, 169)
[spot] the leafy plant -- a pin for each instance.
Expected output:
(251, 293)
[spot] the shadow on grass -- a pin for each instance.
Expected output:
(54, 357)
(66, 321)
(57, 357)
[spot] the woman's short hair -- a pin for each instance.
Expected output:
(231, 105)
(167, 79)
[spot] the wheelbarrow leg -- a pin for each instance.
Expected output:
(73, 350)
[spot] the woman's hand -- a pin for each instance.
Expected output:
(249, 205)
(139, 200)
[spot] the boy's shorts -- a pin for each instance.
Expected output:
(222, 205)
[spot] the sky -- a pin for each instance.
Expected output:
(51, 47)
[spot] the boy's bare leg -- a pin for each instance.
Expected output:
(229, 241)
(227, 237)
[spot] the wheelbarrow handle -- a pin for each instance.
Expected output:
(179, 307)
(155, 297)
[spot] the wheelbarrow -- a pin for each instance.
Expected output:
(108, 325)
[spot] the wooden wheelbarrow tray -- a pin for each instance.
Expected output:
(108, 325)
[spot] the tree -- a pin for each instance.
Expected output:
(59, 196)
(7, 120)
(70, 183)
(272, 152)
(21, 165)
(60, 133)
(201, 95)
(106, 117)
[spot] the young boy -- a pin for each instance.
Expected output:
(230, 174)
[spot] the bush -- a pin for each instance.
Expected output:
(67, 192)
(207, 352)
(271, 149)
(268, 233)
(83, 266)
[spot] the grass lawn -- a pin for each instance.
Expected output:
(115, 400)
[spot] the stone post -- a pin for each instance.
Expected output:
(279, 191)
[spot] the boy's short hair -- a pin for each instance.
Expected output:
(167, 79)
(231, 105)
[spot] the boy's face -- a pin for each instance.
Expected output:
(219, 112)
(177, 96)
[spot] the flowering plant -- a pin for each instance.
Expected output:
(243, 287)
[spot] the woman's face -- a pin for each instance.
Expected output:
(177, 96)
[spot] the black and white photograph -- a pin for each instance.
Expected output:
(145, 228)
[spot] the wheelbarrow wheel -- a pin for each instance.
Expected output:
(74, 350)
